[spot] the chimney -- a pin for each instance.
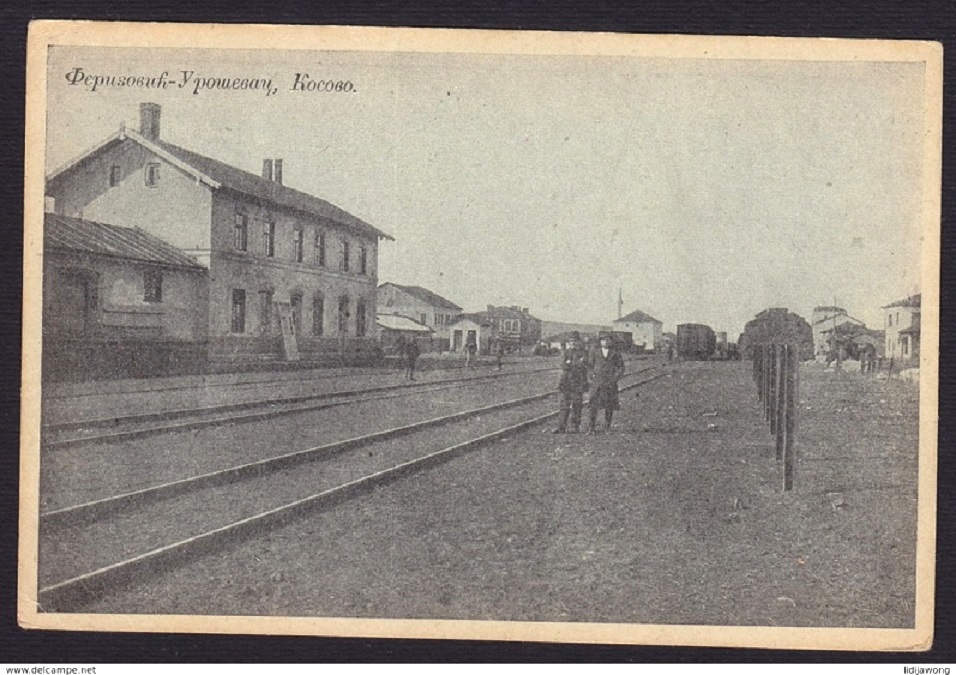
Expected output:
(149, 120)
(267, 169)
(277, 172)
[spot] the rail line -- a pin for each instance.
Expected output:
(57, 436)
(80, 588)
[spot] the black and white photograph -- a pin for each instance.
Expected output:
(494, 335)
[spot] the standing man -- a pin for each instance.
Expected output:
(573, 384)
(607, 367)
(410, 352)
(499, 352)
(471, 351)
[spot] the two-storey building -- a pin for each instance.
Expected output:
(272, 252)
(901, 321)
(420, 305)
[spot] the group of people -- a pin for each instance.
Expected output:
(596, 372)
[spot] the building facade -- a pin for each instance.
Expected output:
(282, 265)
(515, 326)
(644, 329)
(119, 302)
(826, 319)
(901, 323)
(476, 329)
(420, 305)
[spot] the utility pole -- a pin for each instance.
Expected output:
(620, 303)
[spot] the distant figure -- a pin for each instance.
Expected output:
(867, 358)
(471, 351)
(671, 352)
(607, 367)
(573, 384)
(499, 353)
(410, 353)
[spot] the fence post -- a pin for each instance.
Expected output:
(791, 387)
(775, 408)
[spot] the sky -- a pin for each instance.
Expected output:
(701, 190)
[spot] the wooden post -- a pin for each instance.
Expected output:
(791, 386)
(768, 383)
(780, 424)
(776, 390)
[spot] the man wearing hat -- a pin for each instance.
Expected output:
(607, 367)
(573, 383)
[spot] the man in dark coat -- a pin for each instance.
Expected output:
(410, 352)
(573, 384)
(607, 367)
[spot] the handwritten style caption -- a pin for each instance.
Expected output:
(189, 80)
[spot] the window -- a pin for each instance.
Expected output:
(152, 174)
(344, 314)
(238, 310)
(318, 312)
(345, 256)
(295, 308)
(511, 325)
(363, 260)
(265, 312)
(423, 319)
(297, 245)
(268, 238)
(153, 286)
(360, 318)
(114, 175)
(319, 250)
(241, 232)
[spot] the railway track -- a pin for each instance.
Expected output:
(90, 548)
(124, 427)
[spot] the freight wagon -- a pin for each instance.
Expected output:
(695, 341)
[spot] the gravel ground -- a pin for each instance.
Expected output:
(661, 521)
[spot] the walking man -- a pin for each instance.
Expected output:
(607, 367)
(573, 384)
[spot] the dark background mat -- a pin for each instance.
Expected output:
(797, 18)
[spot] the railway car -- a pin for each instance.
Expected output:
(695, 341)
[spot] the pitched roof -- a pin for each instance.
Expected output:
(500, 312)
(218, 174)
(829, 308)
(398, 322)
(911, 301)
(481, 318)
(637, 316)
(127, 243)
(269, 190)
(426, 296)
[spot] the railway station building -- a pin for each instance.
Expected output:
(282, 265)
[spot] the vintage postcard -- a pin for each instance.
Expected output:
(588, 338)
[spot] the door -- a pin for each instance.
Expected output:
(456, 341)
(73, 304)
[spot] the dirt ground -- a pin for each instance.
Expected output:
(675, 517)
